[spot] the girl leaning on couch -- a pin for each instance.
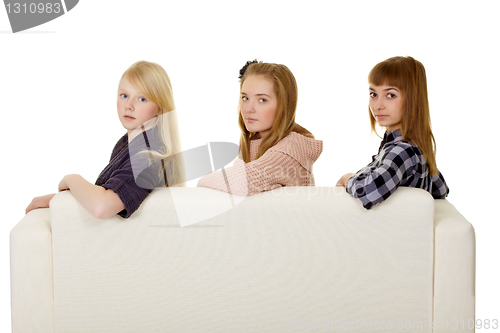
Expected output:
(148, 155)
(406, 157)
(274, 150)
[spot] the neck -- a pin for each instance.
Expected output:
(391, 129)
(144, 127)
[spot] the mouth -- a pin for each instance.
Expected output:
(128, 117)
(251, 120)
(380, 116)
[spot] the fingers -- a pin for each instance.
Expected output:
(341, 181)
(60, 187)
(344, 179)
(39, 202)
(31, 206)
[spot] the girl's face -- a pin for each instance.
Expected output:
(258, 104)
(386, 103)
(134, 109)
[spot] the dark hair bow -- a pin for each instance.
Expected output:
(244, 68)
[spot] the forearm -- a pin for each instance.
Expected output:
(87, 194)
(97, 200)
(272, 170)
(229, 180)
(373, 186)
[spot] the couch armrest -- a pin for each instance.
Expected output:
(454, 270)
(31, 274)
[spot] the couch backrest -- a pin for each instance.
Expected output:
(292, 258)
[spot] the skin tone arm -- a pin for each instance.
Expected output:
(97, 200)
(343, 180)
(40, 202)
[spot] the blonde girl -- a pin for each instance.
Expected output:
(148, 155)
(274, 150)
(407, 155)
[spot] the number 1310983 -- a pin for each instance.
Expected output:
(32, 8)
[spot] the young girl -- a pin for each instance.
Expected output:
(406, 157)
(148, 155)
(274, 150)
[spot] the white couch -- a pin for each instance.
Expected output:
(292, 259)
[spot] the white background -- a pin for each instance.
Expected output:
(58, 87)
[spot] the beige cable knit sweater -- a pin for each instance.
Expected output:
(288, 163)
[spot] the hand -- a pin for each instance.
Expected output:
(63, 184)
(343, 180)
(40, 202)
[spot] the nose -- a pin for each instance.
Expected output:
(379, 104)
(129, 105)
(249, 107)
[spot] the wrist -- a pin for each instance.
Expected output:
(348, 177)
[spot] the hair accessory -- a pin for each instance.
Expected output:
(244, 68)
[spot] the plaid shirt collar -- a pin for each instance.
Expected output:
(391, 138)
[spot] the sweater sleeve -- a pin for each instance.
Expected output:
(272, 170)
(376, 182)
(122, 182)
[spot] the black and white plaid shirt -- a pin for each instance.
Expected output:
(398, 163)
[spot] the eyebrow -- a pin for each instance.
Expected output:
(262, 94)
(386, 89)
(121, 90)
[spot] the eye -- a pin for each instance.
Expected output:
(244, 98)
(262, 100)
(142, 99)
(123, 95)
(391, 96)
(373, 95)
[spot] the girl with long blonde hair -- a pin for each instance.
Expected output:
(275, 151)
(407, 155)
(147, 156)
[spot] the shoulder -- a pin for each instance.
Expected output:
(148, 140)
(301, 148)
(402, 153)
(295, 141)
(122, 143)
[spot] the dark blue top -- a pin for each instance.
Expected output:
(131, 180)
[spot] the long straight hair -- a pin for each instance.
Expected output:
(285, 88)
(408, 75)
(152, 80)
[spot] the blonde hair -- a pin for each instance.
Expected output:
(285, 88)
(408, 75)
(152, 80)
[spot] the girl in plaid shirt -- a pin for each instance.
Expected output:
(406, 157)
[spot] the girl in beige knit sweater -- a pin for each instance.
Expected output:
(274, 150)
